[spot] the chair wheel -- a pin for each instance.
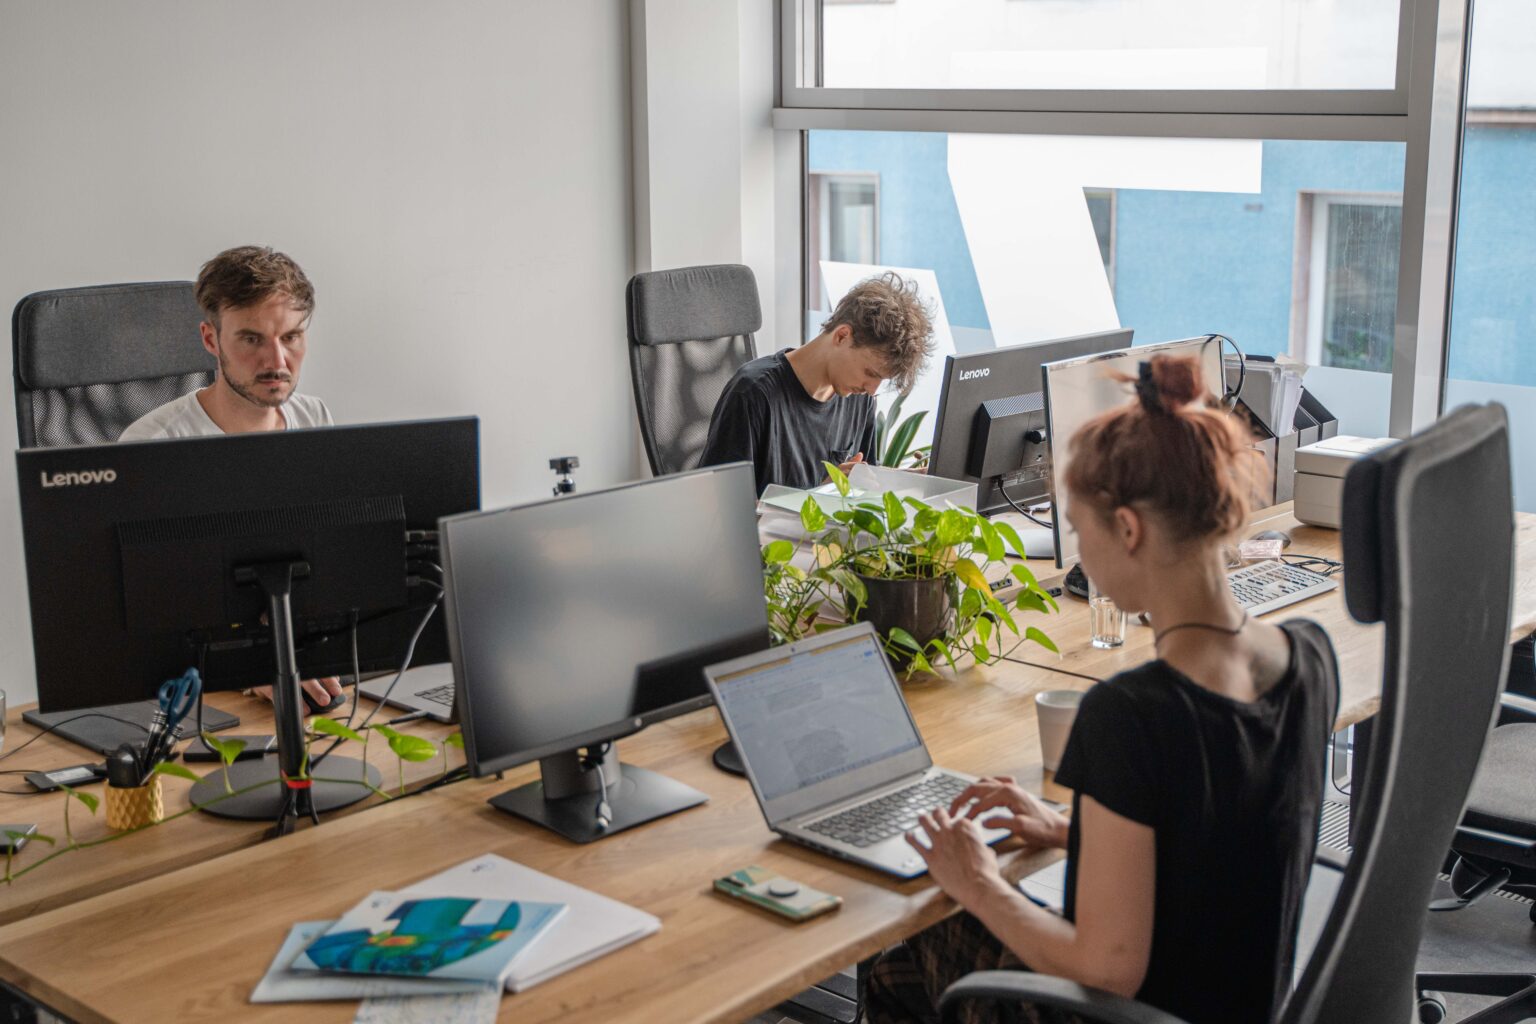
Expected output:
(1431, 1008)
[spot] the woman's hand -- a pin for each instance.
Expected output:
(322, 691)
(1028, 816)
(958, 858)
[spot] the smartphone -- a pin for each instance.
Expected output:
(771, 891)
(14, 837)
(74, 775)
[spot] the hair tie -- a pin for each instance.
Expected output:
(1146, 389)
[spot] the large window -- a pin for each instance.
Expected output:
(1021, 239)
(1348, 247)
(1492, 351)
(1110, 44)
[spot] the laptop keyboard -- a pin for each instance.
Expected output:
(1265, 586)
(889, 815)
(438, 695)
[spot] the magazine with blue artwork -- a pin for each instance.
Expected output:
(405, 936)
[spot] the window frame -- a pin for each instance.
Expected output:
(1425, 110)
(1311, 274)
(818, 189)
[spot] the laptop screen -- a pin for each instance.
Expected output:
(816, 715)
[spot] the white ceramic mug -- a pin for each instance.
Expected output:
(1055, 710)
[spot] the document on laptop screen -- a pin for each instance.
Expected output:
(816, 715)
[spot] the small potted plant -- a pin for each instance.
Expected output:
(917, 573)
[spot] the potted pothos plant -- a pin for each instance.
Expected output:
(917, 573)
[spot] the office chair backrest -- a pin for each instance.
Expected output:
(1429, 552)
(689, 331)
(87, 362)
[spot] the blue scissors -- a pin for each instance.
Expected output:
(177, 697)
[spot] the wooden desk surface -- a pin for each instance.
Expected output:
(155, 851)
(148, 952)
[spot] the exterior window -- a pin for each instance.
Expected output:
(1101, 210)
(1352, 259)
(844, 215)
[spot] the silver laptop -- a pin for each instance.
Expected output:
(831, 749)
(428, 689)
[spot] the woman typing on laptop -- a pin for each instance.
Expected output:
(1197, 777)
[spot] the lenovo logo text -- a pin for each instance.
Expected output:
(85, 476)
(975, 374)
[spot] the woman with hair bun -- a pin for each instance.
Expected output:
(1197, 777)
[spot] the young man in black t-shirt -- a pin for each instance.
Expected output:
(789, 412)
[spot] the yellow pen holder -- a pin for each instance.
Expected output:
(136, 807)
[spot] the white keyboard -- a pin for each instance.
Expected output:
(1265, 586)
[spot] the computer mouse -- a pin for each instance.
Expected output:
(316, 708)
(1076, 582)
(1279, 535)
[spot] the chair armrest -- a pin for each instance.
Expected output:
(1516, 708)
(1090, 1004)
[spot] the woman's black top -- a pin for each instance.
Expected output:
(1232, 791)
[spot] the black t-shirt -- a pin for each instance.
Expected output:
(766, 417)
(1232, 791)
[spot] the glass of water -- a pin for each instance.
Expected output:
(1105, 618)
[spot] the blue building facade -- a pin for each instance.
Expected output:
(1189, 262)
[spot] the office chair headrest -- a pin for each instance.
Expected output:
(693, 304)
(1371, 510)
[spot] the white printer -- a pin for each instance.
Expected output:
(1320, 471)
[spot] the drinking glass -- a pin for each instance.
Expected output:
(1106, 619)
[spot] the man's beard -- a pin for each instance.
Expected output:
(249, 392)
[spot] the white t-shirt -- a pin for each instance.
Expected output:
(185, 417)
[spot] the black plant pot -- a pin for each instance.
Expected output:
(921, 607)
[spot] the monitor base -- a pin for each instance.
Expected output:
(728, 759)
(267, 802)
(638, 796)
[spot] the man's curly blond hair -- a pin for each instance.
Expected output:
(885, 313)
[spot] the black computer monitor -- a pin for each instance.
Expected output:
(147, 558)
(990, 425)
(578, 620)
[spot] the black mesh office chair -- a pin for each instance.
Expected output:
(87, 362)
(689, 330)
(1444, 666)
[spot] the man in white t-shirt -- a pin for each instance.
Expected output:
(257, 304)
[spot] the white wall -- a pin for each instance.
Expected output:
(714, 183)
(454, 177)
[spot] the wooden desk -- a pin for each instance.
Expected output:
(155, 851)
(147, 953)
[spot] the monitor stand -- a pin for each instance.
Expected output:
(292, 794)
(566, 797)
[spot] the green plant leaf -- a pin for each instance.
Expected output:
(901, 439)
(971, 575)
(918, 664)
(1040, 638)
(843, 515)
(386, 731)
(953, 528)
(925, 521)
(412, 748)
(181, 771)
(778, 552)
(1009, 534)
(90, 800)
(980, 652)
(939, 644)
(227, 750)
(38, 836)
(1032, 601)
(331, 727)
(984, 630)
(895, 512)
(838, 477)
(902, 638)
(853, 585)
(991, 538)
(970, 603)
(868, 522)
(812, 517)
(455, 740)
(883, 423)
